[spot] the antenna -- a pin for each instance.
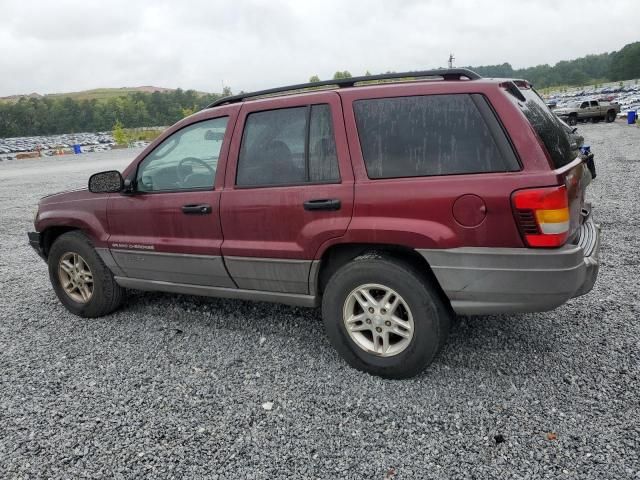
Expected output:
(451, 59)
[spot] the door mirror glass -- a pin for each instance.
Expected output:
(106, 182)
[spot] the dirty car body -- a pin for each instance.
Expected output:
(467, 189)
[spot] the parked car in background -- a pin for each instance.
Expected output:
(593, 110)
(392, 205)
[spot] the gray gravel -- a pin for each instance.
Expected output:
(177, 386)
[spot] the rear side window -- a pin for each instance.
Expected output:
(290, 146)
(548, 127)
(429, 135)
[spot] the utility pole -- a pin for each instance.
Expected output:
(451, 59)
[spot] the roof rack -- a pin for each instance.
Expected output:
(445, 73)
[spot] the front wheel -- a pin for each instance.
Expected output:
(81, 280)
(611, 116)
(384, 317)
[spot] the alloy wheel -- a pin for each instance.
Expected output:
(75, 277)
(378, 320)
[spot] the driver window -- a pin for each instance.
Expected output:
(584, 105)
(186, 160)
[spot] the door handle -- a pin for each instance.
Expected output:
(202, 209)
(324, 204)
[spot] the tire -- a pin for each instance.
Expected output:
(429, 314)
(572, 120)
(106, 294)
(611, 116)
(596, 119)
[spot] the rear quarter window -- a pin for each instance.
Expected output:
(548, 127)
(430, 135)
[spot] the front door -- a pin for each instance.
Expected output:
(168, 229)
(288, 189)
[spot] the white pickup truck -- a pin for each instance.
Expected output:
(588, 109)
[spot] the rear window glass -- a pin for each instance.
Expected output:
(426, 135)
(548, 127)
(290, 146)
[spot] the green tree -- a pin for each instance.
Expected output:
(314, 78)
(341, 75)
(625, 64)
(119, 134)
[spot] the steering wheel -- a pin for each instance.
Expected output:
(186, 160)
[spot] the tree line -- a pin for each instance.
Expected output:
(591, 69)
(51, 115)
(606, 67)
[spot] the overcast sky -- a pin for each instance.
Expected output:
(68, 45)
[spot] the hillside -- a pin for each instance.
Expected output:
(100, 109)
(591, 69)
(94, 94)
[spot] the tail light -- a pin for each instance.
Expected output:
(542, 215)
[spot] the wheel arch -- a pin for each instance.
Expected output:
(338, 255)
(51, 234)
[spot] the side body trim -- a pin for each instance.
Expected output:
(107, 258)
(172, 267)
(257, 295)
(313, 277)
(270, 274)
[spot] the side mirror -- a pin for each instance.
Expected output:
(106, 182)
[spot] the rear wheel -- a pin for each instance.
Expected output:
(384, 317)
(611, 116)
(81, 280)
(596, 119)
(572, 120)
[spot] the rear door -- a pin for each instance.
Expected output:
(288, 189)
(168, 229)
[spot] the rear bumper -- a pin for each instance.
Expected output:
(35, 240)
(480, 281)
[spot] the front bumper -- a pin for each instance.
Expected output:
(481, 281)
(35, 240)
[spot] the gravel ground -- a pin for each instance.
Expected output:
(185, 387)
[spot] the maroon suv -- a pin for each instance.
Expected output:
(393, 203)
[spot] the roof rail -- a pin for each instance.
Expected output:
(445, 73)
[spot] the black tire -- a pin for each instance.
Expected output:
(572, 120)
(611, 116)
(431, 315)
(107, 294)
(596, 119)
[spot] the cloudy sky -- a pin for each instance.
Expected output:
(69, 45)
